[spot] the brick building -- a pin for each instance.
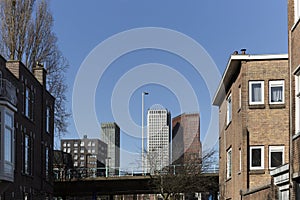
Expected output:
(186, 145)
(26, 132)
(253, 99)
(294, 45)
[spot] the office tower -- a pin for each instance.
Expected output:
(110, 134)
(186, 145)
(86, 153)
(158, 135)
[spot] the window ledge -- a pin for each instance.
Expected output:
(257, 106)
(296, 136)
(276, 106)
(257, 171)
(228, 125)
(228, 179)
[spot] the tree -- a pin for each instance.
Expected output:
(26, 35)
(192, 176)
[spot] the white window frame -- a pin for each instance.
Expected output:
(48, 119)
(276, 84)
(240, 97)
(297, 103)
(229, 109)
(276, 149)
(240, 155)
(229, 163)
(296, 10)
(262, 92)
(262, 157)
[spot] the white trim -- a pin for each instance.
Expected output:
(240, 97)
(276, 149)
(229, 109)
(241, 58)
(229, 163)
(277, 83)
(262, 154)
(296, 10)
(262, 92)
(297, 104)
(240, 167)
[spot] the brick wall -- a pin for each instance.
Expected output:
(267, 125)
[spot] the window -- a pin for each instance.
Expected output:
(82, 150)
(256, 157)
(27, 154)
(240, 97)
(8, 137)
(297, 10)
(240, 154)
(82, 144)
(81, 157)
(276, 156)
(229, 109)
(47, 161)
(229, 163)
(297, 103)
(276, 92)
(256, 92)
(48, 120)
(28, 103)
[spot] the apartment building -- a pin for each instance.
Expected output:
(186, 145)
(254, 104)
(294, 45)
(87, 153)
(26, 132)
(158, 138)
(110, 134)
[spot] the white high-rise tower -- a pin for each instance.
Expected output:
(158, 136)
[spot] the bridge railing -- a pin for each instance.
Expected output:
(62, 174)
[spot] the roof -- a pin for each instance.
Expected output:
(234, 65)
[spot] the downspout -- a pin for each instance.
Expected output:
(291, 113)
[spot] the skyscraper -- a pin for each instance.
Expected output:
(110, 134)
(158, 135)
(186, 145)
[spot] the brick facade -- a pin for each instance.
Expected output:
(186, 145)
(33, 119)
(294, 44)
(262, 125)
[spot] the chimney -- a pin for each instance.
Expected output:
(14, 67)
(40, 73)
(235, 53)
(243, 51)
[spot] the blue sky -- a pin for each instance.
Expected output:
(220, 27)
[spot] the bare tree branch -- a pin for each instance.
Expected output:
(26, 35)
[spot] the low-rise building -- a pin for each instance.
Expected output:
(254, 104)
(88, 154)
(26, 132)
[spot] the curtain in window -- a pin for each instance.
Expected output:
(256, 92)
(276, 94)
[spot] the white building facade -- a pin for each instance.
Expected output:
(158, 136)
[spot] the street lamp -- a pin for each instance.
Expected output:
(143, 94)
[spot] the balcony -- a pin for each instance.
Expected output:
(8, 92)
